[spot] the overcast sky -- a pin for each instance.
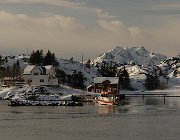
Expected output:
(72, 27)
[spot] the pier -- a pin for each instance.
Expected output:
(143, 95)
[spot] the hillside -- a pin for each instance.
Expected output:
(138, 61)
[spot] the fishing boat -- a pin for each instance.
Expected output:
(107, 97)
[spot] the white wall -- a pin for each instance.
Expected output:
(53, 81)
(36, 78)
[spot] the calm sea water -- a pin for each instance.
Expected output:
(148, 119)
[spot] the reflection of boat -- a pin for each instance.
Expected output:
(106, 109)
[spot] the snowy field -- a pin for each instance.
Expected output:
(50, 93)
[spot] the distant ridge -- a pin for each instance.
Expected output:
(138, 55)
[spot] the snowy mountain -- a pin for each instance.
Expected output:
(170, 66)
(13, 59)
(69, 66)
(138, 55)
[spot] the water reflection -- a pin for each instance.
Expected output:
(106, 110)
(135, 105)
(154, 101)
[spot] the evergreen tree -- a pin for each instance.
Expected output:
(107, 70)
(88, 64)
(36, 58)
(2, 72)
(8, 72)
(61, 75)
(76, 80)
(124, 80)
(1, 60)
(71, 59)
(6, 59)
(50, 59)
(152, 81)
(16, 69)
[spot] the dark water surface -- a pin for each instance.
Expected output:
(148, 119)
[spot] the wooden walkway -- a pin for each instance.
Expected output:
(143, 95)
(149, 95)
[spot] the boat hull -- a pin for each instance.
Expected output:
(106, 98)
(103, 102)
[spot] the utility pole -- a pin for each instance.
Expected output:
(82, 60)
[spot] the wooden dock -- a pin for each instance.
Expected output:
(143, 95)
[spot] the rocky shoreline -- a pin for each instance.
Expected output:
(44, 103)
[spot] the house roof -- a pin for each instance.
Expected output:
(113, 80)
(28, 69)
(43, 69)
(48, 67)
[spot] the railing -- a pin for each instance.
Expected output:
(143, 95)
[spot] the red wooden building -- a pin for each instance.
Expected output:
(102, 83)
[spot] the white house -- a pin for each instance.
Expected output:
(40, 75)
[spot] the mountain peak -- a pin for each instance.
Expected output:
(139, 55)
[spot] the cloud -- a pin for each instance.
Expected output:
(62, 34)
(21, 31)
(64, 3)
(163, 9)
(116, 30)
(68, 36)
(103, 14)
(167, 6)
(113, 26)
(57, 22)
(120, 31)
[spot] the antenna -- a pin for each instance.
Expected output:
(82, 59)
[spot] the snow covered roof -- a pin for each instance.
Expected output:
(113, 80)
(48, 67)
(28, 69)
(43, 69)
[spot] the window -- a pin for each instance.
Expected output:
(42, 80)
(99, 85)
(36, 73)
(98, 90)
(29, 81)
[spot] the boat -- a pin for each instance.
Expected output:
(107, 97)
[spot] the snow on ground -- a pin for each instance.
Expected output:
(69, 67)
(55, 93)
(13, 59)
(5, 91)
(137, 81)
